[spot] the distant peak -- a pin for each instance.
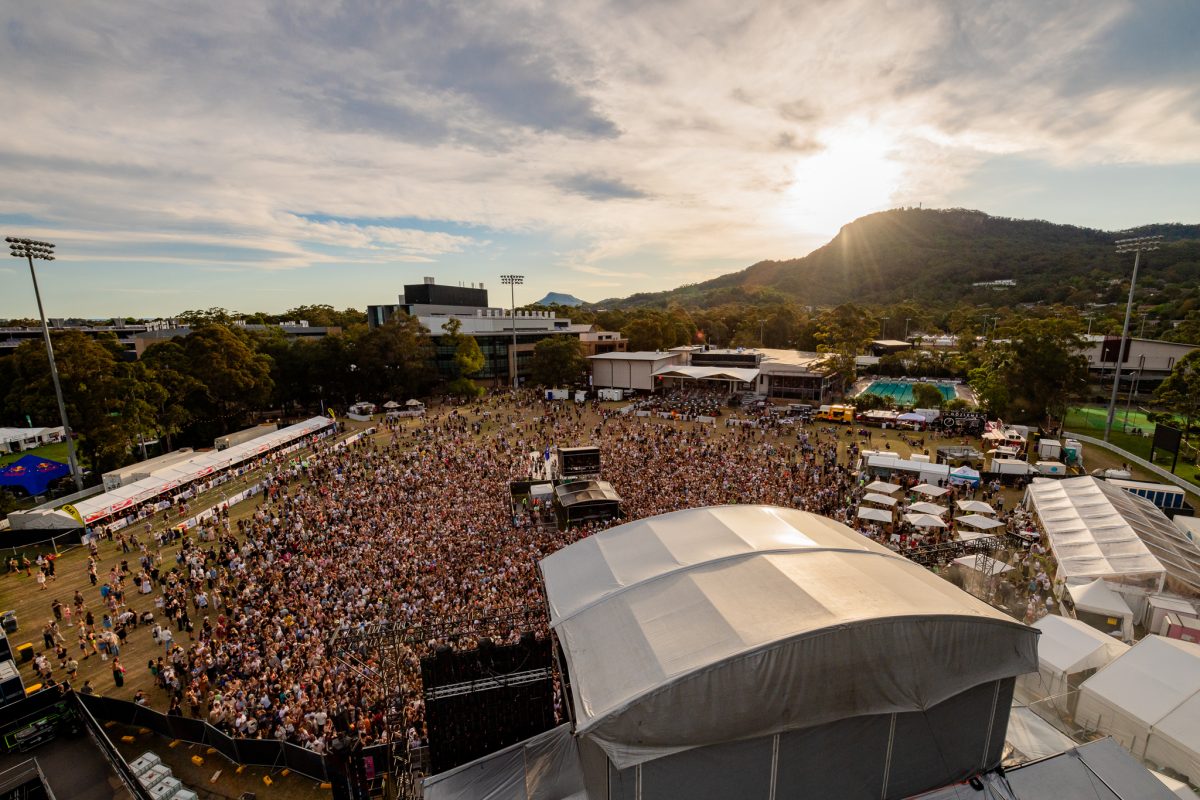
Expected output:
(560, 299)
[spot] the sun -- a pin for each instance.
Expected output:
(855, 173)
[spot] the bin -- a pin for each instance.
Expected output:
(8, 620)
(25, 651)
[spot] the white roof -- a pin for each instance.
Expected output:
(201, 464)
(930, 490)
(874, 514)
(883, 487)
(1157, 682)
(637, 355)
(980, 521)
(985, 564)
(925, 521)
(700, 626)
(743, 374)
(1088, 534)
(928, 508)
(1068, 645)
(881, 499)
(975, 506)
(1099, 597)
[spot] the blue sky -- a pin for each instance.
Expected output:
(260, 156)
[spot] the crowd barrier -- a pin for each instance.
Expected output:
(31, 537)
(270, 753)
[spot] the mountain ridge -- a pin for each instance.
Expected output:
(941, 255)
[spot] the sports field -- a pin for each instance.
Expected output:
(901, 391)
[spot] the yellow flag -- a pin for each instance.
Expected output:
(331, 414)
(70, 509)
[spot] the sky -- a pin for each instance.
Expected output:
(265, 155)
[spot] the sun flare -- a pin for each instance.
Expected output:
(854, 174)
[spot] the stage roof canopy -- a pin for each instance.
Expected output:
(716, 624)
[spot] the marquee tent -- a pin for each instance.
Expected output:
(881, 499)
(1089, 535)
(1099, 600)
(733, 374)
(930, 490)
(928, 508)
(724, 628)
(1068, 652)
(874, 514)
(32, 473)
(883, 487)
(924, 521)
(1149, 701)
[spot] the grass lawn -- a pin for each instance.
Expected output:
(54, 452)
(1090, 420)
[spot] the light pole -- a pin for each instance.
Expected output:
(761, 322)
(906, 321)
(30, 249)
(883, 327)
(1136, 245)
(512, 282)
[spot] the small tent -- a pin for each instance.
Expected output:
(1098, 605)
(1069, 652)
(1149, 701)
(964, 475)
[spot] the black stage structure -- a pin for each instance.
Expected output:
(487, 681)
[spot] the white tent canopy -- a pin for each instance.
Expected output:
(692, 629)
(1089, 536)
(1066, 648)
(928, 508)
(924, 521)
(975, 506)
(930, 490)
(874, 514)
(983, 564)
(881, 499)
(1149, 701)
(883, 487)
(981, 522)
(1099, 598)
(738, 374)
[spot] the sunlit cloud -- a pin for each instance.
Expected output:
(357, 145)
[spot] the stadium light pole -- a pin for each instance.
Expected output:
(883, 327)
(29, 249)
(512, 282)
(1136, 246)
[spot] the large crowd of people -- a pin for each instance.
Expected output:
(411, 525)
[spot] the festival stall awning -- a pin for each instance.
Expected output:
(874, 514)
(924, 521)
(882, 487)
(928, 508)
(975, 506)
(930, 490)
(980, 521)
(881, 499)
(985, 564)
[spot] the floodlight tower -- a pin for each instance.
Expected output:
(29, 249)
(512, 282)
(1136, 246)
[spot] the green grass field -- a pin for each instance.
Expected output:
(54, 452)
(1133, 434)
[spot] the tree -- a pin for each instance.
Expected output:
(395, 359)
(844, 332)
(168, 369)
(1032, 370)
(557, 361)
(231, 378)
(1180, 392)
(926, 395)
(468, 360)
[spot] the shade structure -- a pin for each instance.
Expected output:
(928, 508)
(1090, 527)
(980, 522)
(964, 475)
(924, 521)
(391, 404)
(874, 514)
(1149, 701)
(975, 506)
(736, 374)
(911, 417)
(883, 487)
(929, 490)
(714, 625)
(881, 499)
(32, 473)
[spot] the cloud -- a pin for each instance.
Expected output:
(599, 187)
(664, 137)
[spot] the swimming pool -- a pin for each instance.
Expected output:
(901, 391)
